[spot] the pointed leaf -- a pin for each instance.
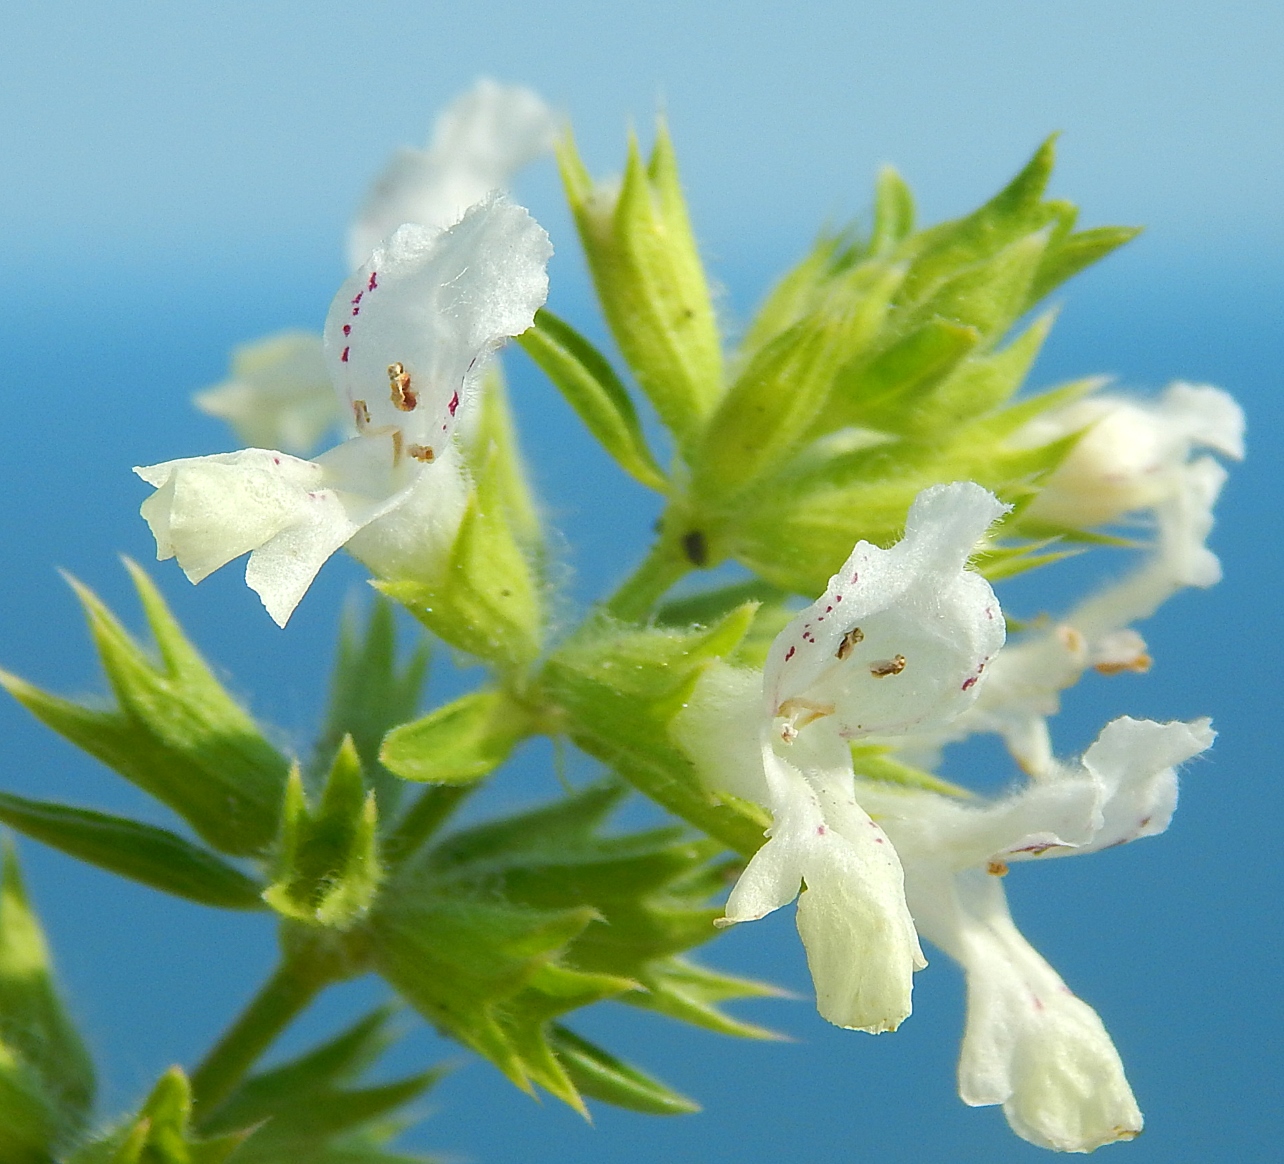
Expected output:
(459, 742)
(369, 694)
(589, 383)
(131, 849)
(601, 1075)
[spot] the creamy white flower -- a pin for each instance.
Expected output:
(1134, 457)
(898, 639)
(405, 341)
(1029, 1043)
(481, 140)
(279, 394)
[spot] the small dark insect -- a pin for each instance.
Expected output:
(886, 667)
(422, 453)
(848, 645)
(404, 398)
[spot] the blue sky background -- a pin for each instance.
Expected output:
(178, 178)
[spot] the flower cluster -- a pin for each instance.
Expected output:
(871, 402)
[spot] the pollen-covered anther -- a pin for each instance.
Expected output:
(404, 398)
(422, 453)
(885, 667)
(997, 869)
(361, 414)
(848, 645)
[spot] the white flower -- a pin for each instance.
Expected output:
(1029, 1043)
(898, 639)
(1134, 457)
(278, 395)
(478, 144)
(405, 341)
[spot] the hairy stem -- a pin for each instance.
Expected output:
(422, 819)
(294, 984)
(664, 565)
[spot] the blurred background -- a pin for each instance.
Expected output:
(178, 178)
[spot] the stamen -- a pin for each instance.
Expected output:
(848, 645)
(404, 398)
(422, 453)
(361, 414)
(886, 667)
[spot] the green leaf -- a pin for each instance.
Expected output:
(1076, 252)
(650, 281)
(884, 392)
(601, 1075)
(489, 601)
(304, 1109)
(130, 849)
(161, 1133)
(893, 213)
(175, 733)
(619, 686)
(689, 992)
(589, 383)
(46, 1075)
(328, 870)
(780, 392)
(370, 694)
(459, 742)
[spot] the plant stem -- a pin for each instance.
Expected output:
(660, 569)
(421, 820)
(294, 984)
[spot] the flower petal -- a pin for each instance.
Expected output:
(900, 637)
(478, 144)
(208, 510)
(279, 395)
(406, 335)
(1029, 1043)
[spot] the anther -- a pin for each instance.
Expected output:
(886, 667)
(848, 645)
(404, 398)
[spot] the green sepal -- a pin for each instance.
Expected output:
(689, 992)
(893, 213)
(989, 295)
(618, 687)
(600, 1075)
(128, 848)
(585, 377)
(876, 762)
(460, 742)
(780, 392)
(161, 1132)
(306, 1110)
(327, 866)
(176, 733)
(1072, 254)
(941, 252)
(998, 562)
(370, 694)
(650, 281)
(885, 391)
(705, 607)
(793, 295)
(46, 1074)
(494, 434)
(488, 600)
